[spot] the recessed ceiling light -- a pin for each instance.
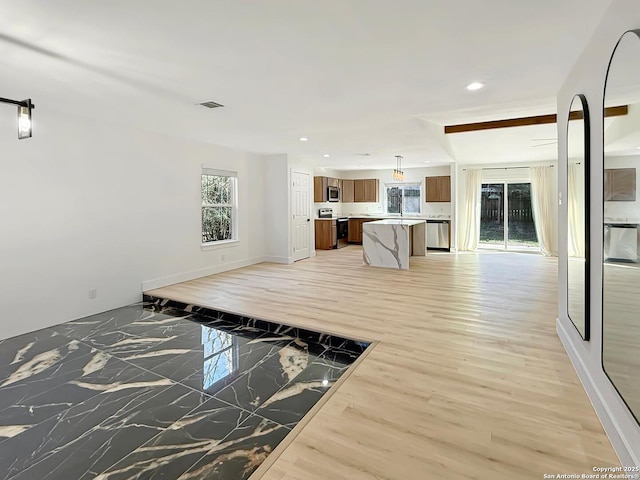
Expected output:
(638, 148)
(361, 166)
(303, 139)
(326, 155)
(475, 86)
(427, 161)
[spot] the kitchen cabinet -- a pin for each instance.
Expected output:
(438, 189)
(347, 190)
(371, 189)
(366, 190)
(620, 184)
(320, 186)
(320, 189)
(355, 228)
(358, 190)
(326, 234)
(362, 190)
(332, 182)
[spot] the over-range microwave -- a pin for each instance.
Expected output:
(334, 194)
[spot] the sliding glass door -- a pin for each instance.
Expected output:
(506, 219)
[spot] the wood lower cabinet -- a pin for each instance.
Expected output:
(354, 224)
(326, 234)
(438, 189)
(355, 228)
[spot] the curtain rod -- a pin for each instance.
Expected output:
(503, 168)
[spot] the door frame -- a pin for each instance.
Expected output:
(312, 250)
(505, 217)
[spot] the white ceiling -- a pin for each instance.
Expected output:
(355, 76)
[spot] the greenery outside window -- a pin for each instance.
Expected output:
(219, 205)
(403, 198)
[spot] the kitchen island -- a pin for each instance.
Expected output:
(389, 243)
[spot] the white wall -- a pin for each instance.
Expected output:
(588, 77)
(88, 205)
(277, 225)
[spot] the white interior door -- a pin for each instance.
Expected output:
(301, 210)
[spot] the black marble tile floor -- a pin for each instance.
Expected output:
(158, 390)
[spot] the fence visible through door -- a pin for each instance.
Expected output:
(518, 231)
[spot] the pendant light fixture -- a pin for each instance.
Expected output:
(398, 174)
(24, 116)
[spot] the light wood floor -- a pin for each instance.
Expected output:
(469, 379)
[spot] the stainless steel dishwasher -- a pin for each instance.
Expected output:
(438, 235)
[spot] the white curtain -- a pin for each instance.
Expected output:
(471, 211)
(576, 210)
(544, 211)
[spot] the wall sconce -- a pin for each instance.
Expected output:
(24, 116)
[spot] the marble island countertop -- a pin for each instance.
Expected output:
(389, 243)
(398, 221)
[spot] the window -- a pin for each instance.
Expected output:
(403, 198)
(219, 205)
(220, 356)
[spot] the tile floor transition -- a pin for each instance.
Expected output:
(158, 390)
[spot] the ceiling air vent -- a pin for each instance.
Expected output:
(211, 104)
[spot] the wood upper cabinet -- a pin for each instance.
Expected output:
(321, 185)
(320, 193)
(326, 234)
(371, 189)
(620, 184)
(358, 190)
(438, 189)
(366, 190)
(347, 190)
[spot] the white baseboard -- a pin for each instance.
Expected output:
(608, 420)
(272, 259)
(203, 272)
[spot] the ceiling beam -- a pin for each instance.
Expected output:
(524, 121)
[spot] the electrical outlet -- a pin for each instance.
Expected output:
(223, 257)
(93, 293)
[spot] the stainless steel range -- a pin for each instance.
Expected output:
(325, 213)
(342, 227)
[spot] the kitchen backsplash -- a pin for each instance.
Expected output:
(342, 208)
